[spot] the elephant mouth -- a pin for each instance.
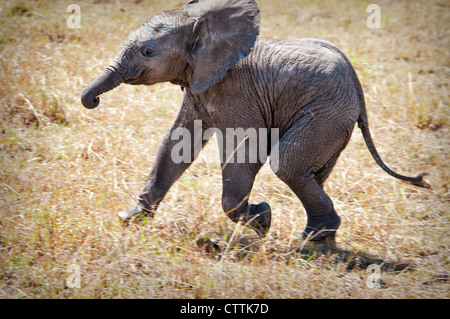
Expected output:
(139, 79)
(132, 81)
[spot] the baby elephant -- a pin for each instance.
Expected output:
(233, 79)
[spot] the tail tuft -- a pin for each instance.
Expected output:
(420, 182)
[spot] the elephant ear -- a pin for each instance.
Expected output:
(224, 32)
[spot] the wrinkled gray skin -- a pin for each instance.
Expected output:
(231, 78)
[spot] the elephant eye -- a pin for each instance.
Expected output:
(147, 52)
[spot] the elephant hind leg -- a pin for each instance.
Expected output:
(322, 220)
(307, 154)
(322, 174)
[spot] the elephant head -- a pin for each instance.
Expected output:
(194, 47)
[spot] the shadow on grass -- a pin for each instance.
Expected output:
(247, 248)
(351, 258)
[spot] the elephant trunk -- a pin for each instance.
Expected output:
(108, 80)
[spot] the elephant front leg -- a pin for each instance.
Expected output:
(237, 184)
(162, 176)
(168, 169)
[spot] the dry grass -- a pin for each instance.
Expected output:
(66, 171)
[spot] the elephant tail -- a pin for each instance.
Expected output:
(363, 124)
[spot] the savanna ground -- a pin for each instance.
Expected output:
(65, 171)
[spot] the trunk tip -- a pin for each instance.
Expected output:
(89, 101)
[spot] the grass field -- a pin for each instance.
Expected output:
(65, 171)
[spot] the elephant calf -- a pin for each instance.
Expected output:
(232, 78)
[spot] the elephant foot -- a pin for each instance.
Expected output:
(321, 227)
(135, 213)
(259, 218)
